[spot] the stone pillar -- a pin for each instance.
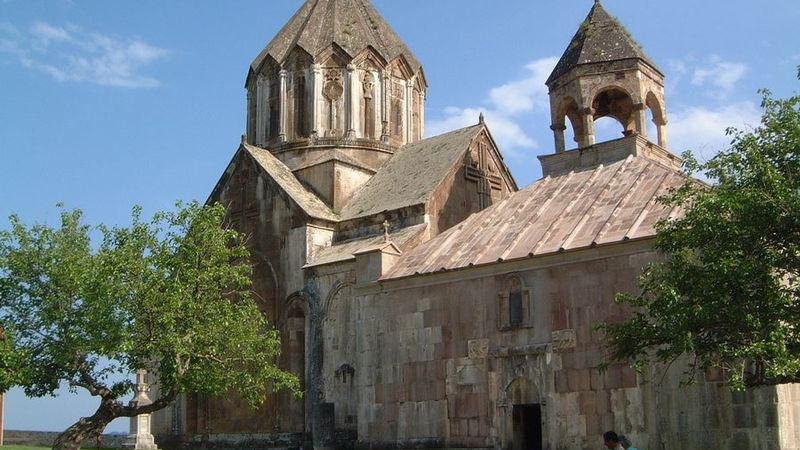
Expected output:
(283, 106)
(558, 134)
(377, 102)
(140, 437)
(588, 128)
(662, 134)
(316, 94)
(422, 97)
(249, 128)
(2, 418)
(385, 86)
(640, 119)
(409, 111)
(351, 101)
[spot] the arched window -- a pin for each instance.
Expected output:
(274, 108)
(515, 306)
(300, 106)
(397, 119)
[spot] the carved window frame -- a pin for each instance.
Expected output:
(514, 285)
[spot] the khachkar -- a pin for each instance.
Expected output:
(139, 437)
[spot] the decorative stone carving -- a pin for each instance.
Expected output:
(563, 339)
(333, 89)
(368, 84)
(478, 348)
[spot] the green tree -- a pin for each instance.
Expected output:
(170, 295)
(725, 295)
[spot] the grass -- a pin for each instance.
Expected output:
(31, 447)
(22, 447)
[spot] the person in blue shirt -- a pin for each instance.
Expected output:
(626, 443)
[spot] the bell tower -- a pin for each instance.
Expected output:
(334, 95)
(605, 73)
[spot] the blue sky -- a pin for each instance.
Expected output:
(108, 104)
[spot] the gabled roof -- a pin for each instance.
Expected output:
(598, 206)
(346, 251)
(277, 171)
(600, 38)
(412, 175)
(353, 25)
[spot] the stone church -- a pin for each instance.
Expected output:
(424, 300)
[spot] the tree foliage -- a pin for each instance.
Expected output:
(170, 295)
(726, 294)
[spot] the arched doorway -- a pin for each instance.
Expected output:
(526, 415)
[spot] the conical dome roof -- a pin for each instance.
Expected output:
(600, 38)
(353, 25)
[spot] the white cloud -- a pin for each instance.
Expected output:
(702, 129)
(72, 54)
(720, 74)
(48, 33)
(504, 106)
(7, 28)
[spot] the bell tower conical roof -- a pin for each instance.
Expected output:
(600, 38)
(353, 25)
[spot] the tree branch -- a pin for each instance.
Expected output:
(88, 382)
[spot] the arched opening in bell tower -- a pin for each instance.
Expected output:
(614, 103)
(658, 118)
(568, 124)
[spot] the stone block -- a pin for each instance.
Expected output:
(594, 425)
(629, 377)
(596, 380)
(602, 401)
(579, 380)
(743, 417)
(586, 402)
(474, 428)
(561, 381)
(612, 378)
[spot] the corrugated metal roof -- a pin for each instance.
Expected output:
(601, 205)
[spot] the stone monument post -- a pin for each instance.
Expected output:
(139, 437)
(2, 416)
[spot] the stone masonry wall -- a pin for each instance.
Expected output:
(434, 366)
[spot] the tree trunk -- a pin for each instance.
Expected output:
(85, 428)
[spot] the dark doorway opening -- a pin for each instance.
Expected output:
(528, 427)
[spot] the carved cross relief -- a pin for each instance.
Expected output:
(368, 112)
(332, 90)
(482, 172)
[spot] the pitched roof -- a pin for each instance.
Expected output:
(353, 25)
(278, 171)
(345, 251)
(600, 38)
(602, 205)
(412, 175)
